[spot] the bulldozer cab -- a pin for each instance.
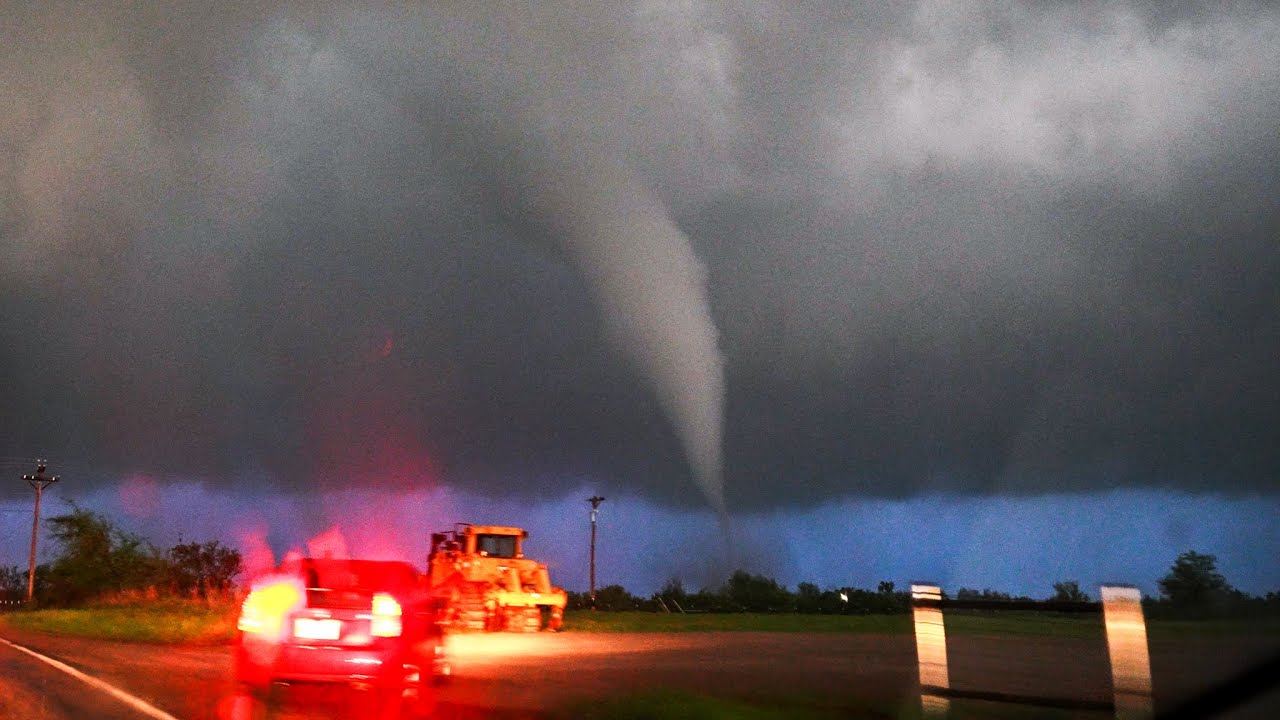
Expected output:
(497, 546)
(495, 541)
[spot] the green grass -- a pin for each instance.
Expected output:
(958, 623)
(1217, 627)
(183, 621)
(161, 621)
(1036, 624)
(1055, 625)
(605, 622)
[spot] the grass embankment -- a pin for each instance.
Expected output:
(1162, 629)
(199, 622)
(957, 622)
(156, 621)
(611, 622)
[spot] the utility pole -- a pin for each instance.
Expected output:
(39, 482)
(595, 501)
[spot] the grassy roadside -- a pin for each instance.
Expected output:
(958, 623)
(621, 622)
(161, 621)
(192, 622)
(1219, 627)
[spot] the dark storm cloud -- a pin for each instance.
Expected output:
(942, 248)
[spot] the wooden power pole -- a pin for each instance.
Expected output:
(39, 482)
(595, 501)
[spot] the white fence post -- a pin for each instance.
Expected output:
(1127, 647)
(931, 649)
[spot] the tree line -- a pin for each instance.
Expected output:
(97, 560)
(1193, 588)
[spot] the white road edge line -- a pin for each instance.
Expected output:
(136, 703)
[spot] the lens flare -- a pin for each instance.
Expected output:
(329, 544)
(266, 607)
(386, 617)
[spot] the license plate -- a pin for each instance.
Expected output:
(314, 629)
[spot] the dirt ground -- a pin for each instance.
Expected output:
(845, 673)
(853, 675)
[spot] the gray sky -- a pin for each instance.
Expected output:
(756, 254)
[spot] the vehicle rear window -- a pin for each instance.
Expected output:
(367, 575)
(351, 583)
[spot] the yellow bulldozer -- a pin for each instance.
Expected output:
(486, 584)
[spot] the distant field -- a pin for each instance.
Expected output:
(1174, 629)
(587, 621)
(173, 621)
(957, 622)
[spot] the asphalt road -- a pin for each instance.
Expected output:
(184, 682)
(526, 676)
(31, 689)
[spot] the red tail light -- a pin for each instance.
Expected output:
(387, 617)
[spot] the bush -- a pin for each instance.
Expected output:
(98, 560)
(202, 570)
